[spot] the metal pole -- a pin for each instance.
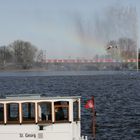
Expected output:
(94, 124)
(94, 119)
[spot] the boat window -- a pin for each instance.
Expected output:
(28, 112)
(44, 112)
(76, 111)
(61, 109)
(1, 113)
(12, 112)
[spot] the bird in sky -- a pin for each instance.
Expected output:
(110, 47)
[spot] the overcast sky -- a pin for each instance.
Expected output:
(51, 25)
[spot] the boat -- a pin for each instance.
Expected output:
(28, 117)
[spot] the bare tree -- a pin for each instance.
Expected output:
(5, 55)
(123, 48)
(24, 53)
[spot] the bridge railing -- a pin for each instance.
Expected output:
(90, 61)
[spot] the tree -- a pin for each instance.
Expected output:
(128, 48)
(5, 55)
(40, 56)
(123, 48)
(24, 53)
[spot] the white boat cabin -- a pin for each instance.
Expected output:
(40, 118)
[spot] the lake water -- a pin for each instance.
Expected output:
(117, 97)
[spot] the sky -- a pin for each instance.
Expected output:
(59, 27)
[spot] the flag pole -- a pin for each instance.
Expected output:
(90, 104)
(94, 120)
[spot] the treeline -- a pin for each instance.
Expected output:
(20, 54)
(122, 49)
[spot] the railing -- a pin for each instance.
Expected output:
(107, 60)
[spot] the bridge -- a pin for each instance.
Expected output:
(59, 61)
(90, 64)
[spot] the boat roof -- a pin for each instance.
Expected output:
(24, 97)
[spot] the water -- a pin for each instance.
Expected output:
(117, 98)
(57, 73)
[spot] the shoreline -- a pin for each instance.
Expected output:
(24, 70)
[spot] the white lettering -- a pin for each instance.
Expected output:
(30, 135)
(27, 135)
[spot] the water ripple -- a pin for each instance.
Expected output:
(117, 100)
